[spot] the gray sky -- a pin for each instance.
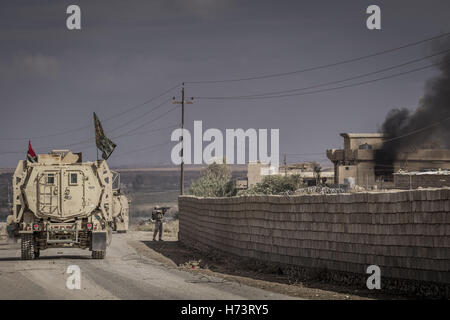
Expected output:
(52, 79)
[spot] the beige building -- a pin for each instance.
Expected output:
(257, 170)
(306, 171)
(355, 163)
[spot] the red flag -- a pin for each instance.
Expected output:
(31, 155)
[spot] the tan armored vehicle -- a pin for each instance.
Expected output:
(120, 212)
(60, 201)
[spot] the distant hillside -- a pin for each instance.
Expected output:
(175, 168)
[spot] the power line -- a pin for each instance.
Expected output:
(90, 126)
(142, 149)
(139, 117)
(336, 81)
(142, 104)
(327, 89)
(123, 136)
(305, 154)
(90, 140)
(148, 122)
(149, 131)
(128, 152)
(388, 140)
(312, 158)
(128, 133)
(416, 131)
(274, 75)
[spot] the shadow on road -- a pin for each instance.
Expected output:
(173, 250)
(256, 272)
(65, 257)
(9, 259)
(47, 258)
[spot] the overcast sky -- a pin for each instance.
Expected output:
(52, 79)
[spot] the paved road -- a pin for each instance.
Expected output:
(124, 274)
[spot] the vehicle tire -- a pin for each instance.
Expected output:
(37, 253)
(27, 247)
(98, 254)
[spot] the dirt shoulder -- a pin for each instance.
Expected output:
(174, 254)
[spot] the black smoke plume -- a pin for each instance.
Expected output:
(426, 127)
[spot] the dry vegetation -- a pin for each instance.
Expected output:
(245, 271)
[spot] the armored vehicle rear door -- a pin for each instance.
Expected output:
(48, 193)
(73, 200)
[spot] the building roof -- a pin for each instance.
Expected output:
(362, 135)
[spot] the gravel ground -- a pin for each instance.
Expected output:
(174, 254)
(125, 273)
(138, 268)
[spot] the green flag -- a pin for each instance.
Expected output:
(105, 145)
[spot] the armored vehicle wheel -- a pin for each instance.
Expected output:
(37, 253)
(98, 254)
(27, 246)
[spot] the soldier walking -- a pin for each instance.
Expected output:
(157, 216)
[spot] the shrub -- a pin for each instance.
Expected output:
(215, 181)
(275, 184)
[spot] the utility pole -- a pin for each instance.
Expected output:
(182, 102)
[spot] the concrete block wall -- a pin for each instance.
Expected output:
(405, 233)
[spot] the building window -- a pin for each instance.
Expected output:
(347, 168)
(50, 178)
(365, 146)
(73, 178)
